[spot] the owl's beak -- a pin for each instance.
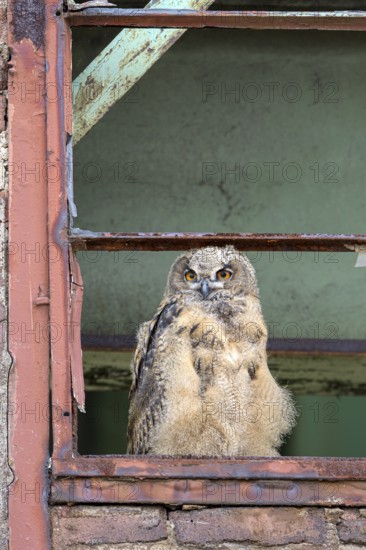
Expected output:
(205, 289)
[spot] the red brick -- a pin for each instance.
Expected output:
(352, 526)
(260, 525)
(93, 525)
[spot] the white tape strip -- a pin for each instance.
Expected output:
(361, 258)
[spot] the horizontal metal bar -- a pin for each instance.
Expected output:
(209, 492)
(155, 467)
(273, 5)
(316, 346)
(108, 342)
(306, 346)
(299, 20)
(87, 240)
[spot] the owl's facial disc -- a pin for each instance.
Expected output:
(207, 284)
(226, 272)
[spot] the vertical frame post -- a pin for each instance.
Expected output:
(58, 79)
(28, 279)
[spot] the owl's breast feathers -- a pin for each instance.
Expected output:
(197, 364)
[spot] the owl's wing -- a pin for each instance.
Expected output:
(148, 388)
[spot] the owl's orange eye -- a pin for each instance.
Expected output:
(190, 275)
(223, 275)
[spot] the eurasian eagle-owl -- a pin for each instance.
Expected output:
(200, 381)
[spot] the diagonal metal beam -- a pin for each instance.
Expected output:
(120, 65)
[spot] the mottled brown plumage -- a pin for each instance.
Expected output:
(201, 385)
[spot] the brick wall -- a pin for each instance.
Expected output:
(156, 528)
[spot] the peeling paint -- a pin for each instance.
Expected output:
(28, 20)
(29, 376)
(71, 6)
(77, 374)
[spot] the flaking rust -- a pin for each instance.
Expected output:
(87, 240)
(77, 375)
(71, 6)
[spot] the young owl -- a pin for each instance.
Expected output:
(200, 381)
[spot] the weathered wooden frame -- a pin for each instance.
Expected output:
(42, 56)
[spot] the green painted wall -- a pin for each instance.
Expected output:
(294, 134)
(148, 155)
(327, 426)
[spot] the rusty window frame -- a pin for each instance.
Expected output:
(150, 479)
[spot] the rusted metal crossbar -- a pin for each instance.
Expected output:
(282, 481)
(155, 467)
(116, 17)
(227, 492)
(87, 240)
